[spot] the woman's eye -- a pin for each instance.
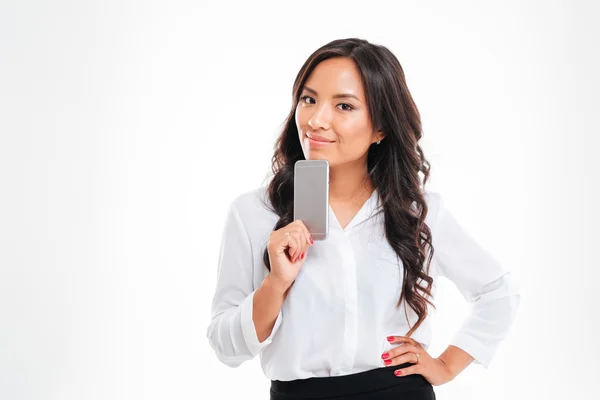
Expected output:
(345, 106)
(305, 97)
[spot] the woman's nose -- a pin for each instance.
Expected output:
(321, 118)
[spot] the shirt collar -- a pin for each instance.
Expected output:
(370, 208)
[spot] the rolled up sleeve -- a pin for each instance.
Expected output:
(231, 332)
(492, 290)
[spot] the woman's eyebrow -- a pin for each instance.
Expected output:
(336, 96)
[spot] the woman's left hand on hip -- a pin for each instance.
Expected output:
(410, 351)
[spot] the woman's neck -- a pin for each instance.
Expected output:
(349, 181)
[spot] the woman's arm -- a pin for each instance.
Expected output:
(232, 332)
(491, 290)
(455, 359)
(268, 300)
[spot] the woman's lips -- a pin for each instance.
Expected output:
(318, 141)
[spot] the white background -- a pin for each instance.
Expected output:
(127, 128)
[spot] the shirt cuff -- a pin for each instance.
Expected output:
(249, 330)
(481, 354)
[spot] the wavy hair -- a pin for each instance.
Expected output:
(393, 166)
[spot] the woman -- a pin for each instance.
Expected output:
(346, 317)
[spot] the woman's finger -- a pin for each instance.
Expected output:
(298, 239)
(307, 243)
(307, 234)
(413, 369)
(401, 339)
(306, 238)
(302, 254)
(400, 350)
(289, 241)
(401, 359)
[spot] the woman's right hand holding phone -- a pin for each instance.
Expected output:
(287, 250)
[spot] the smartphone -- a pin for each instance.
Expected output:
(311, 196)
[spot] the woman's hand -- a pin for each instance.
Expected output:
(433, 369)
(287, 250)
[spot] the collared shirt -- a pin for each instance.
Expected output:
(342, 306)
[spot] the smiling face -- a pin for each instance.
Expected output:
(332, 116)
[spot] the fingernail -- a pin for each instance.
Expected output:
(398, 373)
(390, 338)
(311, 240)
(302, 256)
(387, 362)
(385, 355)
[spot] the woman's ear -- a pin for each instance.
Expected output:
(379, 136)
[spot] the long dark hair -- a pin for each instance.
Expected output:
(393, 166)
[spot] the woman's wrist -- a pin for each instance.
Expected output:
(455, 359)
(273, 284)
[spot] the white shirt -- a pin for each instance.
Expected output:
(342, 306)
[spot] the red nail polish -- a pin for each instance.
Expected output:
(311, 240)
(398, 373)
(390, 338)
(387, 362)
(385, 355)
(302, 256)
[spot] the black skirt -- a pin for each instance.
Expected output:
(376, 384)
